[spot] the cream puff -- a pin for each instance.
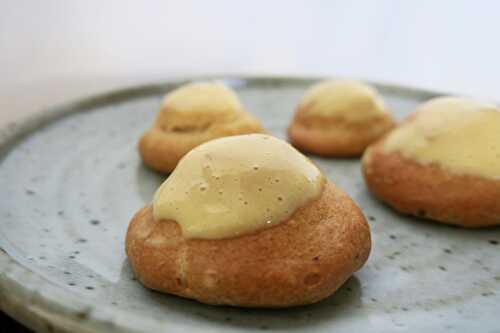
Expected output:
(442, 163)
(241, 226)
(339, 118)
(189, 116)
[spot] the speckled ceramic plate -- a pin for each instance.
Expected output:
(70, 180)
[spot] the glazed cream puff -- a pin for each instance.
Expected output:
(442, 163)
(189, 116)
(339, 118)
(235, 225)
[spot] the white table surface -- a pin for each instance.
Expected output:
(54, 51)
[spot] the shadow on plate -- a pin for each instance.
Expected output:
(341, 305)
(345, 303)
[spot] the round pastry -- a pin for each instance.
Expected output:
(339, 118)
(189, 116)
(442, 163)
(248, 221)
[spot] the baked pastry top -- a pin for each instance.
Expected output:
(189, 116)
(350, 100)
(339, 118)
(248, 221)
(459, 134)
(238, 184)
(442, 163)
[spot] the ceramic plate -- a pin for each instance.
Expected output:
(71, 179)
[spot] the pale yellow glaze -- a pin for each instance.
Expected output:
(198, 106)
(211, 97)
(237, 185)
(350, 100)
(458, 134)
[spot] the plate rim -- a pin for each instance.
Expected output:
(52, 309)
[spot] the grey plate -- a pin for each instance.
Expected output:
(70, 180)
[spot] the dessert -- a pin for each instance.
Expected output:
(248, 221)
(189, 116)
(339, 118)
(442, 163)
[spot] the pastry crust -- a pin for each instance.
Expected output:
(430, 191)
(161, 148)
(299, 261)
(329, 136)
(339, 118)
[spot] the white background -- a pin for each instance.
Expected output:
(54, 51)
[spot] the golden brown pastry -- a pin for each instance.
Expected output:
(189, 116)
(442, 163)
(339, 118)
(248, 227)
